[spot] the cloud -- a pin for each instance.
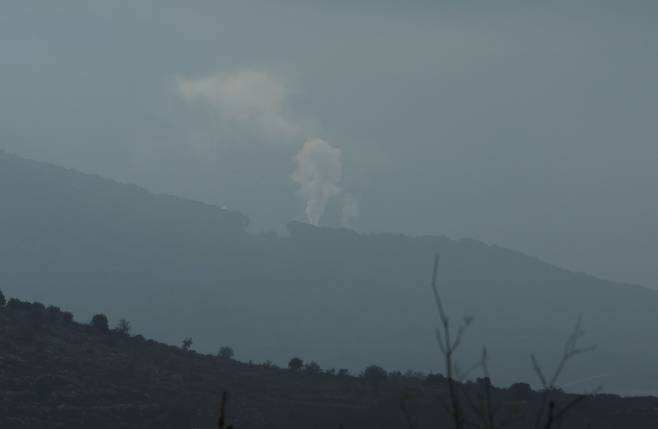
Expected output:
(248, 97)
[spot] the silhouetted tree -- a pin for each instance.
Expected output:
(226, 352)
(187, 343)
(434, 379)
(268, 364)
(312, 368)
(375, 376)
(295, 364)
(99, 321)
(3, 300)
(15, 304)
(53, 312)
(520, 390)
(123, 327)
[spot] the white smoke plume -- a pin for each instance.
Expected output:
(318, 175)
(258, 101)
(350, 209)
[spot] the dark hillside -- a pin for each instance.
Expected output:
(55, 373)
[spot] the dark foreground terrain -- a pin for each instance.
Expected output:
(56, 373)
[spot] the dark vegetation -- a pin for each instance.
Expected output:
(123, 327)
(99, 321)
(187, 344)
(56, 373)
(226, 352)
(295, 364)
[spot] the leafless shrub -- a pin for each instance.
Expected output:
(484, 409)
(547, 408)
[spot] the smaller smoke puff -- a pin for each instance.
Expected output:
(318, 175)
(350, 210)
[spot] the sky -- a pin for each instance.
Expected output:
(531, 125)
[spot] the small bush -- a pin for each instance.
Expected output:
(226, 352)
(375, 376)
(520, 390)
(16, 304)
(186, 344)
(53, 312)
(268, 364)
(123, 327)
(312, 368)
(100, 322)
(435, 379)
(295, 364)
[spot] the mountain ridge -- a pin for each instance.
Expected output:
(178, 268)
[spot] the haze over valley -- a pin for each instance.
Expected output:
(328, 214)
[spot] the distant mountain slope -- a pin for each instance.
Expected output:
(67, 232)
(55, 373)
(175, 268)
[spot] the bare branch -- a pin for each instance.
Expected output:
(539, 372)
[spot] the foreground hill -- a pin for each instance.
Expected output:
(179, 268)
(56, 373)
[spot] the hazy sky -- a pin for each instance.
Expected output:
(533, 125)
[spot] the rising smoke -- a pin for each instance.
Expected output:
(258, 100)
(350, 209)
(318, 174)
